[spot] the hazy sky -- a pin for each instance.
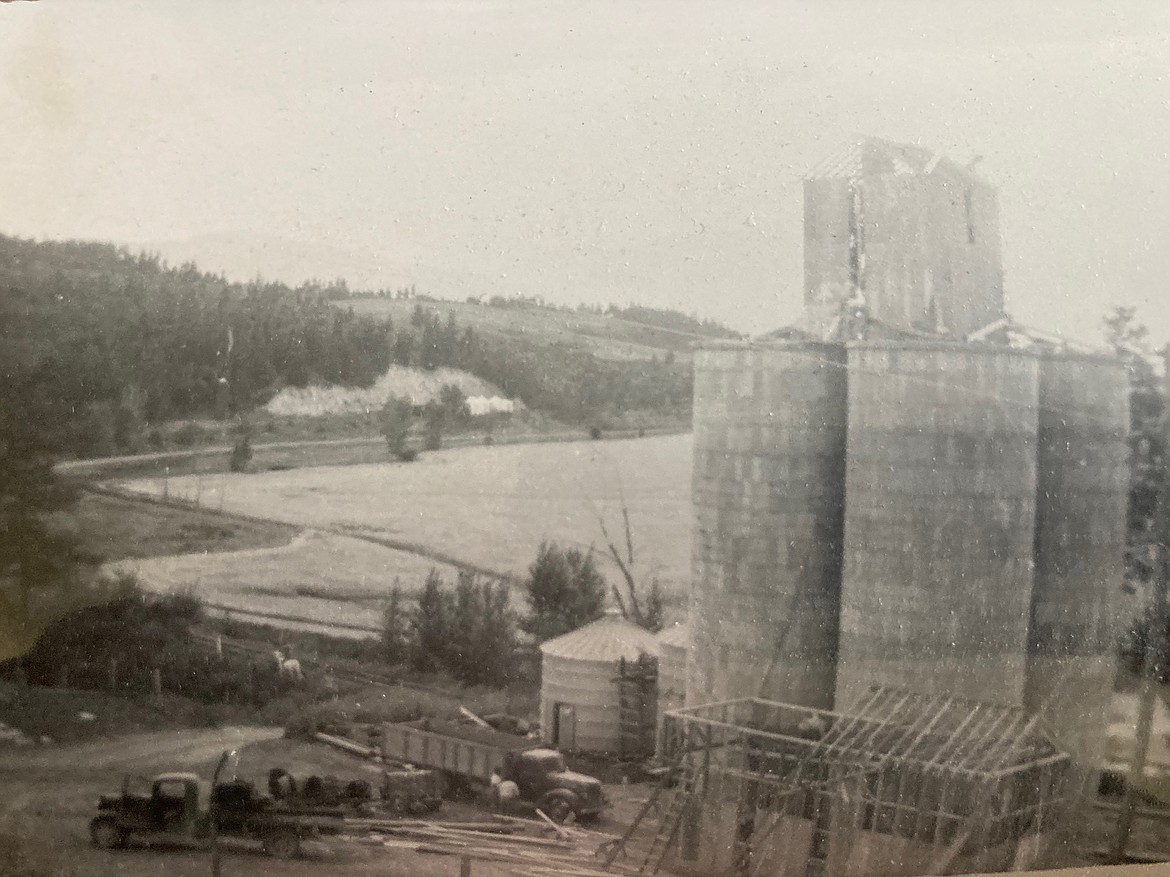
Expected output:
(596, 151)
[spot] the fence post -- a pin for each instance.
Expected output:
(219, 646)
(465, 867)
(113, 674)
(156, 682)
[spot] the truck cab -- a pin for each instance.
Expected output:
(542, 778)
(172, 806)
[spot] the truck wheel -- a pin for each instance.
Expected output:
(106, 834)
(282, 844)
(557, 806)
(453, 786)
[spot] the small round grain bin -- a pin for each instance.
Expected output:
(673, 643)
(580, 693)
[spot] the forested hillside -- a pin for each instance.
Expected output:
(120, 343)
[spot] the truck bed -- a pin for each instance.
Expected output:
(456, 748)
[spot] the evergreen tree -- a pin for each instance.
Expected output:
(38, 548)
(430, 626)
(464, 654)
(395, 644)
(497, 642)
(564, 591)
(241, 457)
(435, 417)
(453, 402)
(653, 617)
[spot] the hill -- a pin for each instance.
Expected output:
(615, 334)
(118, 344)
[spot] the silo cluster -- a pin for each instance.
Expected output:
(768, 493)
(941, 498)
(1081, 504)
(931, 514)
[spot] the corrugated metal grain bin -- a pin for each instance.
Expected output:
(768, 487)
(941, 494)
(580, 703)
(1079, 550)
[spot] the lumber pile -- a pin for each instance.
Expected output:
(520, 843)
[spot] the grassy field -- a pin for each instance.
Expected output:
(326, 578)
(489, 506)
(56, 713)
(605, 337)
(113, 528)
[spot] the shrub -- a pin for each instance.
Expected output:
(395, 424)
(241, 458)
(434, 427)
(187, 434)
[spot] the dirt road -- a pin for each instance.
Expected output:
(48, 796)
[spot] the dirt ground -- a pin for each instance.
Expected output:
(49, 795)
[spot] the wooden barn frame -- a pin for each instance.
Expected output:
(901, 784)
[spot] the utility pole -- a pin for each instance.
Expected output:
(1155, 637)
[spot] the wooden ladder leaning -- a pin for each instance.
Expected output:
(675, 799)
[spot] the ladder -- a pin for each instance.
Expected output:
(668, 825)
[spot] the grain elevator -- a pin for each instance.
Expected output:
(905, 488)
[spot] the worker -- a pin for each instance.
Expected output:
(503, 791)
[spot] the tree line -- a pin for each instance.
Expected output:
(124, 343)
(467, 629)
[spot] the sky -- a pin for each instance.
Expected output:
(584, 151)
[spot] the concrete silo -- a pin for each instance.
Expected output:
(941, 494)
(580, 695)
(674, 644)
(1079, 550)
(768, 488)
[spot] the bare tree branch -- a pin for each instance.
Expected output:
(631, 584)
(626, 518)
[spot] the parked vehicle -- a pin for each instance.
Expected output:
(469, 756)
(175, 809)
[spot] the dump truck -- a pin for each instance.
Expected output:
(175, 809)
(469, 756)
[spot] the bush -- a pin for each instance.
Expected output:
(396, 418)
(436, 417)
(241, 458)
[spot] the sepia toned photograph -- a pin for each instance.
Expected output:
(521, 438)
